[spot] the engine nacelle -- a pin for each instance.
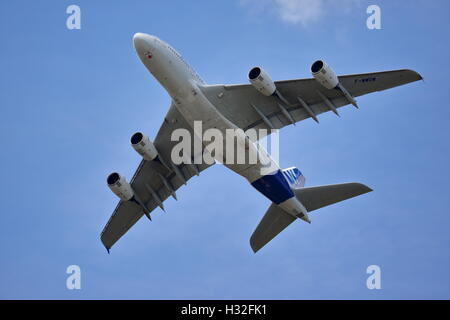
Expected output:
(261, 81)
(324, 74)
(119, 186)
(144, 146)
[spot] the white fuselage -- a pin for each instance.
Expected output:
(183, 85)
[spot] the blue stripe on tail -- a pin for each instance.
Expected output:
(294, 177)
(274, 186)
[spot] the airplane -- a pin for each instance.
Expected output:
(260, 104)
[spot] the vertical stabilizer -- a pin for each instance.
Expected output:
(295, 178)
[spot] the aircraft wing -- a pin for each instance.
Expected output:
(305, 98)
(153, 182)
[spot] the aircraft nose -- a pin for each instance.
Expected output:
(142, 41)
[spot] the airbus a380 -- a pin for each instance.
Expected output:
(261, 104)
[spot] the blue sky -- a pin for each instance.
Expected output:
(70, 100)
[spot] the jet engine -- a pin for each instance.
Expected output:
(261, 81)
(144, 146)
(119, 186)
(324, 74)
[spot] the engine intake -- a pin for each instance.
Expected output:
(262, 81)
(144, 146)
(324, 74)
(119, 186)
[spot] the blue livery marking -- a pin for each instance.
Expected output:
(274, 186)
(294, 177)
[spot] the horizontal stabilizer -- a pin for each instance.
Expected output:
(314, 198)
(276, 219)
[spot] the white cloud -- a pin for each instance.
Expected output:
(301, 11)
